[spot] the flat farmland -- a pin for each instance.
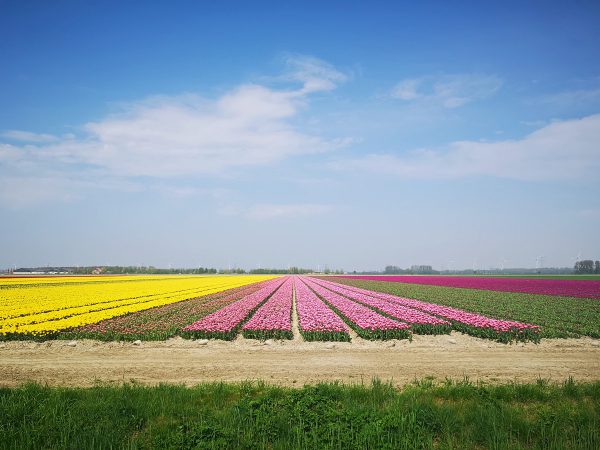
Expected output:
(287, 330)
(271, 358)
(155, 308)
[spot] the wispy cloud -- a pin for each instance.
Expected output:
(564, 150)
(23, 191)
(183, 136)
(571, 98)
(448, 91)
(314, 74)
(268, 211)
(26, 136)
(273, 211)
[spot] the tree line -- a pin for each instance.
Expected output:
(587, 266)
(151, 270)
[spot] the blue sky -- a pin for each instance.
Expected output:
(353, 135)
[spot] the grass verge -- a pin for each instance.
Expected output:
(422, 415)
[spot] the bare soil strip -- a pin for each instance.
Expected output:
(295, 320)
(294, 362)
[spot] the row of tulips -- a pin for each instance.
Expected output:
(420, 322)
(225, 323)
(316, 321)
(40, 311)
(466, 322)
(163, 322)
(366, 322)
(274, 318)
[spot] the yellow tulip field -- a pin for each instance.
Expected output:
(44, 306)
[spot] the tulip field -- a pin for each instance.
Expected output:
(42, 307)
(557, 287)
(316, 321)
(558, 316)
(223, 307)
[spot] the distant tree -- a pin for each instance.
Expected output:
(597, 269)
(585, 266)
(393, 270)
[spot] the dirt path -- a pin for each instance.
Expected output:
(294, 363)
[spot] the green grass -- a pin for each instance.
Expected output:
(326, 416)
(558, 316)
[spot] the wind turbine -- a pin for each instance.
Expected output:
(539, 262)
(504, 261)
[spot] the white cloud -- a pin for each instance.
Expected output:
(268, 211)
(22, 192)
(26, 136)
(449, 91)
(572, 98)
(315, 74)
(246, 127)
(273, 211)
(183, 136)
(567, 150)
(407, 90)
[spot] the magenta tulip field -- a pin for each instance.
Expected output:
(566, 288)
(328, 311)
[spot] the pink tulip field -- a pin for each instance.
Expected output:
(316, 321)
(421, 323)
(367, 323)
(274, 318)
(224, 323)
(325, 310)
(466, 322)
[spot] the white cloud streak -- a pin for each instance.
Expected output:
(175, 137)
(567, 99)
(448, 91)
(274, 211)
(314, 74)
(189, 135)
(26, 136)
(567, 150)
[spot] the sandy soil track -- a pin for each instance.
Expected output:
(294, 363)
